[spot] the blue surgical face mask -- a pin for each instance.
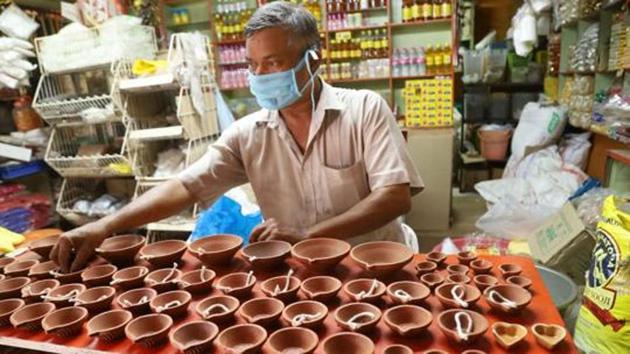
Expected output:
(276, 91)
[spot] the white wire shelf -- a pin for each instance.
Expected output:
(162, 133)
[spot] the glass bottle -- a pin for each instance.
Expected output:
(385, 43)
(438, 62)
(447, 8)
(407, 11)
(427, 10)
(416, 10)
(446, 57)
(437, 9)
(429, 59)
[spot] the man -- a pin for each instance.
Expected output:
(322, 161)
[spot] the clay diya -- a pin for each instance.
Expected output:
(137, 301)
(98, 275)
(548, 335)
(163, 280)
(97, 299)
(397, 349)
(458, 278)
(64, 295)
(266, 254)
(508, 335)
(507, 270)
(261, 311)
(30, 316)
(197, 281)
(358, 317)
(462, 326)
(307, 314)
(465, 257)
(66, 322)
(4, 261)
(216, 249)
(12, 287)
(293, 340)
(483, 281)
(163, 253)
(7, 308)
(473, 351)
(194, 337)
(320, 254)
(243, 339)
(367, 290)
(43, 246)
(33, 292)
(456, 295)
(129, 278)
(436, 257)
(109, 326)
(121, 250)
(42, 270)
(348, 342)
(67, 278)
(283, 288)
(408, 320)
(425, 267)
(149, 330)
(381, 258)
(321, 288)
(19, 268)
(239, 284)
(519, 280)
(481, 266)
(508, 299)
(218, 309)
(432, 280)
(172, 303)
(435, 351)
(457, 269)
(407, 292)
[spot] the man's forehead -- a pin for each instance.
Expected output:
(273, 41)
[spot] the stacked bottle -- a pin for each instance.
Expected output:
(234, 78)
(350, 13)
(232, 54)
(230, 19)
(424, 10)
(367, 45)
(419, 61)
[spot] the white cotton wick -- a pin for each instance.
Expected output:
(170, 274)
(67, 296)
(115, 281)
(458, 294)
(248, 280)
(462, 332)
(363, 294)
(168, 305)
(252, 258)
(502, 300)
(288, 280)
(298, 320)
(352, 322)
(146, 257)
(209, 310)
(142, 300)
(202, 274)
(403, 295)
(41, 292)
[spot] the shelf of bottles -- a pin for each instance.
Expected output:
(421, 11)
(358, 54)
(431, 60)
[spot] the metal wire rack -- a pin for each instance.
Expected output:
(198, 125)
(183, 222)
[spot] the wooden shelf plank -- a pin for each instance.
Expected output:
(420, 23)
(361, 28)
(365, 79)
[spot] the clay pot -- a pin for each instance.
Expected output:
(162, 280)
(30, 317)
(483, 281)
(34, 291)
(194, 337)
(12, 287)
(358, 317)
(519, 280)
(130, 278)
(320, 254)
(197, 281)
(477, 322)
(97, 299)
(121, 250)
(43, 246)
(172, 303)
(218, 309)
(67, 278)
(347, 342)
(19, 268)
(508, 299)
(42, 270)
(381, 258)
(216, 249)
(243, 339)
(163, 253)
(7, 308)
(548, 335)
(508, 335)
(266, 254)
(307, 314)
(469, 295)
(465, 257)
(293, 340)
(397, 349)
(137, 301)
(109, 326)
(425, 267)
(458, 278)
(321, 288)
(432, 280)
(261, 311)
(4, 261)
(435, 351)
(98, 275)
(408, 320)
(436, 257)
(507, 270)
(473, 351)
(239, 284)
(457, 269)
(481, 266)
(66, 322)
(149, 330)
(64, 295)
(277, 287)
(367, 290)
(408, 292)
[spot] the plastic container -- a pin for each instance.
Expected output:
(494, 144)
(562, 289)
(499, 107)
(473, 66)
(475, 105)
(10, 172)
(496, 60)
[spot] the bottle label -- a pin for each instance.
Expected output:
(437, 11)
(426, 10)
(407, 14)
(438, 60)
(447, 59)
(415, 11)
(429, 60)
(446, 9)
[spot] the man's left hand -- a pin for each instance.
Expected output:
(271, 230)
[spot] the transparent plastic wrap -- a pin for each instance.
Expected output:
(569, 11)
(584, 53)
(589, 205)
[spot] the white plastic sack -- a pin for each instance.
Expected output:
(574, 149)
(15, 23)
(537, 126)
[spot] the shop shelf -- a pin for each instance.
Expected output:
(421, 23)
(230, 41)
(20, 170)
(360, 28)
(360, 79)
(414, 77)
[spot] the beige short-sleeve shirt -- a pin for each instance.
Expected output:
(354, 147)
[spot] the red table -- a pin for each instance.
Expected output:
(541, 309)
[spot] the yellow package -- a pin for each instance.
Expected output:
(603, 325)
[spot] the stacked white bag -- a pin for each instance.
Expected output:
(15, 49)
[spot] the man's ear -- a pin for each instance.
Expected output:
(315, 59)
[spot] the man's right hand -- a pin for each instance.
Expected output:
(76, 247)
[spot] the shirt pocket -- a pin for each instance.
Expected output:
(346, 186)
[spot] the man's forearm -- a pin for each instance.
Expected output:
(373, 212)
